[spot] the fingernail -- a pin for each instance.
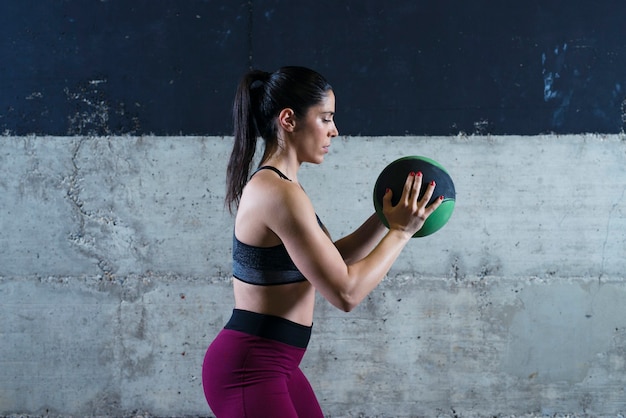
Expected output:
(412, 174)
(440, 197)
(432, 183)
(387, 190)
(419, 174)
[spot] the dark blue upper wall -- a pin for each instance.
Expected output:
(405, 67)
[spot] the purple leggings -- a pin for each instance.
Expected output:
(252, 369)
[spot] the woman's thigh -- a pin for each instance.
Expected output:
(302, 395)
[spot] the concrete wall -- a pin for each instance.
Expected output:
(115, 264)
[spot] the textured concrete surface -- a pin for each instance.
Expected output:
(115, 264)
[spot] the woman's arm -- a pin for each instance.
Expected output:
(361, 242)
(292, 218)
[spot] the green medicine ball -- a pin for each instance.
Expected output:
(394, 176)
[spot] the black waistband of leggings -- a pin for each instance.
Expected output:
(269, 326)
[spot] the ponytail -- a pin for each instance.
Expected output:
(245, 135)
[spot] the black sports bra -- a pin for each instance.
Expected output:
(265, 266)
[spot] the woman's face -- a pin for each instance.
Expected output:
(315, 130)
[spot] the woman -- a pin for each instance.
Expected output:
(282, 253)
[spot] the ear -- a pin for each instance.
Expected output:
(287, 119)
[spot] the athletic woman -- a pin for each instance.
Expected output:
(283, 254)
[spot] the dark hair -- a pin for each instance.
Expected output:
(259, 99)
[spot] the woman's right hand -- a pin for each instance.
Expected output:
(410, 213)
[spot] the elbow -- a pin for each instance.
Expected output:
(347, 303)
(348, 308)
(345, 295)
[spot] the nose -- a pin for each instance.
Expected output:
(334, 132)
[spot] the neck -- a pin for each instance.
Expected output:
(288, 166)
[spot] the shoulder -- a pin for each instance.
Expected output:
(280, 205)
(267, 188)
(280, 195)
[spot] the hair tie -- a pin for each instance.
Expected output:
(256, 84)
(261, 77)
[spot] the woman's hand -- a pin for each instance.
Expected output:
(410, 213)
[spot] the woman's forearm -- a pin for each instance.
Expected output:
(361, 242)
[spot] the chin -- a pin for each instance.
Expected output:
(315, 160)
